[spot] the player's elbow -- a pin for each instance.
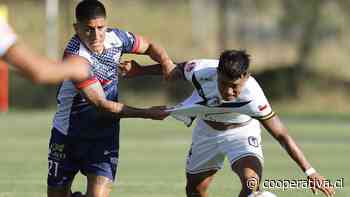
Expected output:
(104, 105)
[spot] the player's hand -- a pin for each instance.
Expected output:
(158, 112)
(318, 182)
(129, 69)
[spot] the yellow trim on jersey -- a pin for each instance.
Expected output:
(268, 116)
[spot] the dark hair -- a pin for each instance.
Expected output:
(234, 63)
(89, 9)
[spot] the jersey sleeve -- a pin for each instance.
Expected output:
(74, 49)
(91, 80)
(259, 108)
(130, 41)
(7, 37)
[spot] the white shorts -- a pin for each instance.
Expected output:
(210, 147)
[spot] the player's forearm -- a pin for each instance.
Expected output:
(277, 129)
(75, 69)
(156, 69)
(131, 112)
(95, 95)
(294, 151)
(37, 68)
(120, 110)
(158, 54)
(114, 108)
(52, 73)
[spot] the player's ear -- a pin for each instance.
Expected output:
(76, 28)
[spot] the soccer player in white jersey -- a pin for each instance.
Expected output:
(227, 83)
(85, 138)
(37, 68)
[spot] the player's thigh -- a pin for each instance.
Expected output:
(98, 186)
(62, 191)
(243, 148)
(205, 153)
(61, 169)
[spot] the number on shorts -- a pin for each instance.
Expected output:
(53, 168)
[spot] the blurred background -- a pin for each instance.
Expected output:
(300, 49)
(300, 53)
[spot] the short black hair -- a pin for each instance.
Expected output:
(89, 9)
(234, 63)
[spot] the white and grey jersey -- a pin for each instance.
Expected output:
(251, 103)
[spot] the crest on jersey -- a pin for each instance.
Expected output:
(262, 107)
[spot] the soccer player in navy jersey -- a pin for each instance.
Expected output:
(85, 133)
(36, 68)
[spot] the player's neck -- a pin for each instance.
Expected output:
(98, 51)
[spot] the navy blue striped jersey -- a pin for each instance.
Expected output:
(77, 117)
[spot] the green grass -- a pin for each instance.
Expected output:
(152, 156)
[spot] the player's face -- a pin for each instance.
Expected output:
(230, 89)
(92, 32)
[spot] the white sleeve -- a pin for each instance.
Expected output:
(7, 37)
(259, 107)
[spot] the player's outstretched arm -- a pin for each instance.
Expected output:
(129, 69)
(42, 70)
(95, 95)
(276, 128)
(158, 54)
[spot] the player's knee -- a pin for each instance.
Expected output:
(62, 191)
(197, 190)
(192, 191)
(250, 183)
(203, 186)
(98, 186)
(249, 171)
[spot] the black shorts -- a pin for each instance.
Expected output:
(67, 156)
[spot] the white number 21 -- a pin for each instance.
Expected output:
(53, 168)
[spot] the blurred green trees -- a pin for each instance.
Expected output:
(297, 37)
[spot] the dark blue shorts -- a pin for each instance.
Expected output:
(69, 155)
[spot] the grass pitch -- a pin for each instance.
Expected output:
(152, 156)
